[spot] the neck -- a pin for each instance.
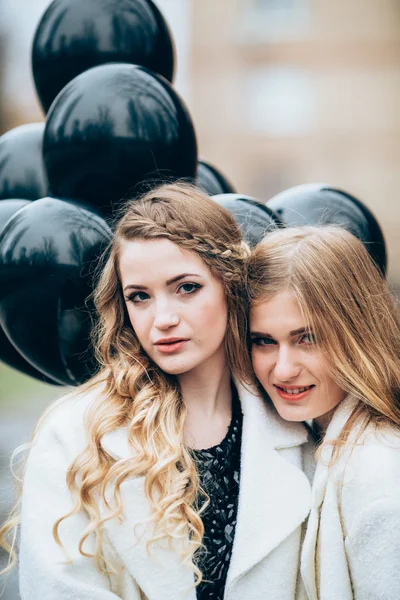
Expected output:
(206, 390)
(323, 421)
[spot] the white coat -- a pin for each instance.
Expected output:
(352, 545)
(274, 501)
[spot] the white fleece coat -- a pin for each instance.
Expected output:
(274, 501)
(352, 545)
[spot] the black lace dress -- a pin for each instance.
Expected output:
(219, 473)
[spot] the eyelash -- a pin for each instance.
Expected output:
(196, 287)
(258, 340)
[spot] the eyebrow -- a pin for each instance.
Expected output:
(168, 282)
(291, 333)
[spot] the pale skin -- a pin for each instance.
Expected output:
(179, 313)
(289, 365)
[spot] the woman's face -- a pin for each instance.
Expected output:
(176, 306)
(289, 366)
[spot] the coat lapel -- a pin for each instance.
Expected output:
(274, 499)
(309, 550)
(159, 572)
(275, 495)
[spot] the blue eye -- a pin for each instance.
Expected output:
(308, 338)
(189, 288)
(138, 297)
(262, 341)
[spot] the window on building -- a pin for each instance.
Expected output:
(274, 20)
(279, 101)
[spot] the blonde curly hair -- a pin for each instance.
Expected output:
(137, 394)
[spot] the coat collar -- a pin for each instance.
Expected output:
(275, 495)
(308, 557)
(274, 500)
(278, 433)
(338, 421)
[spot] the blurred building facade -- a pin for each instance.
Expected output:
(285, 92)
(282, 92)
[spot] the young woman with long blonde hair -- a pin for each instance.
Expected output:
(326, 348)
(163, 478)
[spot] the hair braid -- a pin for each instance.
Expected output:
(135, 393)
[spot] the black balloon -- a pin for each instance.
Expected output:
(211, 180)
(8, 208)
(22, 172)
(254, 218)
(47, 254)
(75, 35)
(112, 128)
(322, 204)
(8, 354)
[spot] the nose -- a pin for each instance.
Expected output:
(166, 316)
(287, 366)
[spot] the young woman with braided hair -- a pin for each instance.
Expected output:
(164, 478)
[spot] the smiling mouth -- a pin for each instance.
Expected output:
(294, 391)
(293, 394)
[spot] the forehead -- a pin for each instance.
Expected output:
(159, 259)
(280, 313)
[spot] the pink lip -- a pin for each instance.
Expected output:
(170, 345)
(292, 397)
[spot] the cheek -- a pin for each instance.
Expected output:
(318, 366)
(141, 324)
(335, 392)
(261, 364)
(211, 314)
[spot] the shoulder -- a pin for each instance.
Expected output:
(377, 450)
(63, 422)
(369, 469)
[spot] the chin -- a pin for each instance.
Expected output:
(175, 367)
(292, 413)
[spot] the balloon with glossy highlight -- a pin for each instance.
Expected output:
(254, 218)
(322, 204)
(22, 173)
(211, 180)
(112, 128)
(75, 35)
(9, 207)
(8, 354)
(47, 254)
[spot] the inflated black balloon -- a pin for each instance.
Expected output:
(254, 218)
(75, 35)
(8, 354)
(8, 208)
(22, 172)
(112, 128)
(47, 254)
(211, 180)
(322, 204)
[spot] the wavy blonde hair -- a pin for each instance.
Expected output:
(137, 394)
(348, 306)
